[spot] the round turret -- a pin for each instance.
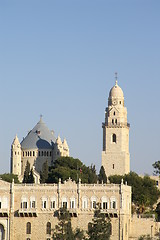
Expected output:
(116, 92)
(116, 96)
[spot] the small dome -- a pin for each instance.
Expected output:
(116, 92)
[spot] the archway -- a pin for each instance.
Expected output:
(1, 232)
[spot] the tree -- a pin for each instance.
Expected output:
(144, 189)
(100, 227)
(26, 173)
(65, 167)
(31, 177)
(92, 176)
(44, 172)
(156, 167)
(78, 234)
(64, 229)
(102, 175)
(8, 177)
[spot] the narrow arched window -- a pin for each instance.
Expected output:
(48, 228)
(114, 113)
(114, 138)
(28, 228)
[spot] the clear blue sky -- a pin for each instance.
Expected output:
(58, 58)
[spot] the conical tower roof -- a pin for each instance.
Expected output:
(16, 141)
(39, 137)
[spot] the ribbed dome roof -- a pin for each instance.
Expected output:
(39, 137)
(116, 92)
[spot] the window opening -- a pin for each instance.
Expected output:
(28, 228)
(53, 204)
(104, 205)
(114, 138)
(64, 205)
(48, 228)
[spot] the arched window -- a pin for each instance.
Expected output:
(105, 204)
(48, 228)
(114, 138)
(28, 228)
(93, 202)
(84, 202)
(113, 203)
(114, 113)
(64, 202)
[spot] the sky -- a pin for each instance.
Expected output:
(58, 58)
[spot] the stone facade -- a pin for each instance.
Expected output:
(115, 154)
(38, 146)
(34, 205)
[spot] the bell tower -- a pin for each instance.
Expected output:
(115, 154)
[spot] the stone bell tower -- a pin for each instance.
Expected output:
(115, 154)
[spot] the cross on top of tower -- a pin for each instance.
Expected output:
(116, 78)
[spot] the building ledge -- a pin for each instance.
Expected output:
(4, 212)
(29, 212)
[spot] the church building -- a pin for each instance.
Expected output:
(29, 211)
(40, 145)
(115, 154)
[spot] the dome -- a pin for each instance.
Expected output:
(39, 137)
(116, 92)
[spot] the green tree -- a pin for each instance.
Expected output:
(78, 234)
(63, 231)
(92, 176)
(26, 173)
(102, 175)
(8, 177)
(100, 227)
(31, 177)
(144, 189)
(65, 167)
(44, 172)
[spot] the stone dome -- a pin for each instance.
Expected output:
(116, 92)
